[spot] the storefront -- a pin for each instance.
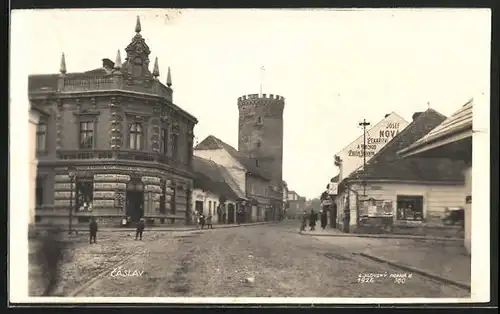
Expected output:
(452, 139)
(415, 191)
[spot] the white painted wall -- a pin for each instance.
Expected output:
(33, 163)
(223, 158)
(377, 137)
(436, 197)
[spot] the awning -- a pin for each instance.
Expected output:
(457, 128)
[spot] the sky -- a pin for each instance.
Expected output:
(334, 67)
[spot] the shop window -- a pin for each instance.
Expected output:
(87, 135)
(172, 201)
(41, 137)
(410, 207)
(163, 198)
(135, 136)
(40, 182)
(84, 194)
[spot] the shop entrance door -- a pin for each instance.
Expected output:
(230, 214)
(135, 200)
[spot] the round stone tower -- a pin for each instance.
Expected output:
(260, 133)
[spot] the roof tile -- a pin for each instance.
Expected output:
(387, 165)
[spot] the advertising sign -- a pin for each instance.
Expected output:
(332, 188)
(376, 138)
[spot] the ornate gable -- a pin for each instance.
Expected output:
(136, 66)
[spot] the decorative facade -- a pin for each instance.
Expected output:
(118, 127)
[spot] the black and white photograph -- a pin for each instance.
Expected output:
(249, 156)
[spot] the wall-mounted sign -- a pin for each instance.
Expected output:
(109, 186)
(112, 177)
(468, 199)
(333, 188)
(378, 136)
(153, 188)
(151, 180)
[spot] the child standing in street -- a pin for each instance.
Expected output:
(93, 230)
(140, 229)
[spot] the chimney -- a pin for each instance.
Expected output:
(388, 114)
(108, 64)
(415, 115)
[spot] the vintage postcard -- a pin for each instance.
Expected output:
(249, 156)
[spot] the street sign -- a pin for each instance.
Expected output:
(333, 188)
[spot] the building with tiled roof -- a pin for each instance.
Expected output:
(210, 190)
(416, 190)
(244, 176)
(452, 139)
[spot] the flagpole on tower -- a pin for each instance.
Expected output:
(262, 69)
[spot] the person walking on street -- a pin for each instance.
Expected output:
(209, 221)
(93, 229)
(139, 229)
(304, 221)
(313, 217)
(202, 220)
(324, 219)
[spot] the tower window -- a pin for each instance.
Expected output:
(86, 135)
(258, 144)
(135, 136)
(41, 137)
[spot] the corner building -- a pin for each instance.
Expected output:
(260, 137)
(131, 147)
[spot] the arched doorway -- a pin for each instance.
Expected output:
(135, 199)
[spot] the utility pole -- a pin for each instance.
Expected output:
(364, 124)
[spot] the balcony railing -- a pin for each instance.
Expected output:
(119, 155)
(96, 83)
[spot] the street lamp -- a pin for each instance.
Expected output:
(72, 175)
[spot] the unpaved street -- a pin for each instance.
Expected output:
(259, 261)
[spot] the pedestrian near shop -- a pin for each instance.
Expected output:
(202, 220)
(304, 221)
(324, 219)
(209, 221)
(313, 217)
